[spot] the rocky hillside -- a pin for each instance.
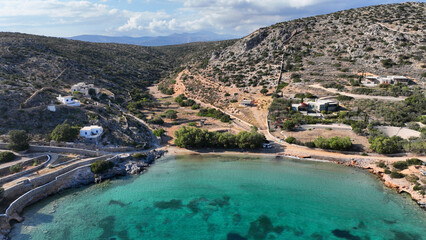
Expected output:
(332, 48)
(34, 70)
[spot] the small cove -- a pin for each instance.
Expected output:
(229, 197)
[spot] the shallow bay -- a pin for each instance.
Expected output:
(229, 197)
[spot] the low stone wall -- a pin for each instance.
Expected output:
(12, 193)
(15, 176)
(38, 148)
(70, 178)
(5, 171)
(64, 149)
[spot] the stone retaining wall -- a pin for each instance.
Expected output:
(5, 171)
(15, 176)
(67, 178)
(37, 148)
(12, 193)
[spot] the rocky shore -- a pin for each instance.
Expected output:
(400, 185)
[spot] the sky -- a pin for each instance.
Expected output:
(66, 18)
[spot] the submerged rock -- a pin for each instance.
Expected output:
(235, 236)
(172, 204)
(260, 228)
(345, 234)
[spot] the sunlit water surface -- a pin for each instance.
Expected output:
(228, 197)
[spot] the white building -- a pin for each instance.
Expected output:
(84, 88)
(316, 106)
(247, 103)
(371, 81)
(69, 101)
(91, 132)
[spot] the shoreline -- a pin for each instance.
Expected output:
(175, 151)
(368, 164)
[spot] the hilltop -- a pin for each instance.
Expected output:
(332, 49)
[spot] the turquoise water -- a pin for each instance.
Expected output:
(226, 197)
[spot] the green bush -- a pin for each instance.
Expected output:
(310, 144)
(192, 124)
(7, 157)
(15, 168)
(412, 178)
(414, 161)
(344, 98)
(171, 114)
(159, 132)
(195, 106)
(64, 133)
(381, 164)
(183, 101)
(291, 140)
(139, 156)
(18, 140)
(401, 165)
(101, 166)
(384, 145)
(417, 187)
(289, 125)
(395, 174)
(156, 120)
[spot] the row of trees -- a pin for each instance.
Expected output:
(335, 143)
(190, 137)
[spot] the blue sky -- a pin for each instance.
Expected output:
(66, 18)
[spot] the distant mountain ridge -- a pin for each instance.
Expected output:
(173, 39)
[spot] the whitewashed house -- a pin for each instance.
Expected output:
(91, 133)
(69, 101)
(84, 88)
(51, 108)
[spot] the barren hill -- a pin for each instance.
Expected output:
(333, 48)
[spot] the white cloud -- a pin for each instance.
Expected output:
(99, 17)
